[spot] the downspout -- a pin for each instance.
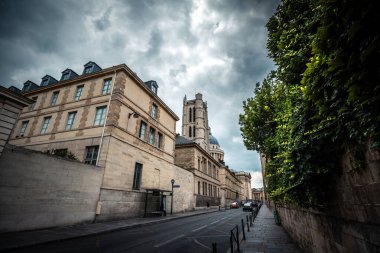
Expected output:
(99, 204)
(105, 121)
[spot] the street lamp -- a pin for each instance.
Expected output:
(171, 209)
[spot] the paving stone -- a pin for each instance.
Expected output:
(267, 237)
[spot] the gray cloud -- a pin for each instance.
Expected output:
(104, 22)
(217, 48)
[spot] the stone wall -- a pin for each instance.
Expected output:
(351, 222)
(39, 191)
(120, 201)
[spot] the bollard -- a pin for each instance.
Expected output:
(242, 226)
(214, 247)
(247, 224)
(250, 220)
(231, 242)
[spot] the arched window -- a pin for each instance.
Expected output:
(190, 114)
(193, 114)
(194, 131)
(190, 134)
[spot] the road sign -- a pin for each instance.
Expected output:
(176, 186)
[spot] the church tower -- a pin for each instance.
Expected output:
(195, 121)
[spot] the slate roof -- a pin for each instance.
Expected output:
(180, 140)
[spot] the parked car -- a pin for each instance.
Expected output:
(249, 206)
(234, 205)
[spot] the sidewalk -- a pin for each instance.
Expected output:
(15, 240)
(265, 236)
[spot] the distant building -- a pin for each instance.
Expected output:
(198, 151)
(258, 194)
(245, 178)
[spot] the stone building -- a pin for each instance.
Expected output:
(11, 104)
(245, 178)
(190, 156)
(112, 119)
(197, 150)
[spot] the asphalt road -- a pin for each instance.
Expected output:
(190, 234)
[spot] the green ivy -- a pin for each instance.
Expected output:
(322, 100)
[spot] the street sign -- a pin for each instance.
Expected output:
(176, 186)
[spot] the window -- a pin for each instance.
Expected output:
(65, 76)
(190, 135)
(70, 120)
(78, 93)
(199, 187)
(154, 89)
(190, 110)
(24, 125)
(31, 107)
(154, 111)
(194, 131)
(91, 155)
(54, 98)
(100, 116)
(137, 176)
(45, 125)
(193, 114)
(106, 86)
(159, 140)
(151, 136)
(45, 82)
(88, 69)
(142, 130)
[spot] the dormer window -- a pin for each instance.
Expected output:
(65, 76)
(45, 82)
(88, 69)
(154, 89)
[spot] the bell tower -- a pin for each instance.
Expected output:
(195, 121)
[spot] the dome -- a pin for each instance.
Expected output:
(213, 140)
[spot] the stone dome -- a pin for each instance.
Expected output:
(213, 140)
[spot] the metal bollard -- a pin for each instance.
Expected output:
(247, 224)
(242, 226)
(214, 247)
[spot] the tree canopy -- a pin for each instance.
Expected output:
(322, 100)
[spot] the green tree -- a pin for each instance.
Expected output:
(322, 100)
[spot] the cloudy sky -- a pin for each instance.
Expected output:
(216, 47)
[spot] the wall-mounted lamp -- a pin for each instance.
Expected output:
(135, 115)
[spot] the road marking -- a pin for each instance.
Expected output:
(199, 228)
(201, 244)
(168, 241)
(214, 222)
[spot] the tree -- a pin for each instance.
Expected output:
(322, 100)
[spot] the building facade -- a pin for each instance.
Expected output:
(245, 178)
(190, 156)
(11, 104)
(112, 119)
(197, 150)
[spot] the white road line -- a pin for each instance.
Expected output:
(199, 228)
(201, 244)
(214, 222)
(168, 241)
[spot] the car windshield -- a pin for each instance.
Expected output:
(247, 204)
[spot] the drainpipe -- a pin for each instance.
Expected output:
(105, 120)
(99, 204)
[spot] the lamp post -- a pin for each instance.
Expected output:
(171, 209)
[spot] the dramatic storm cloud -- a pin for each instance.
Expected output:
(217, 48)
